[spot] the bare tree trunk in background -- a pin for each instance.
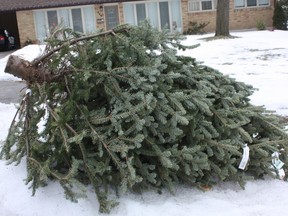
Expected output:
(222, 18)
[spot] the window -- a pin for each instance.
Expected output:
(206, 5)
(80, 19)
(111, 16)
(263, 2)
(52, 19)
(239, 3)
(164, 15)
(161, 14)
(251, 3)
(201, 5)
(194, 6)
(77, 20)
(141, 12)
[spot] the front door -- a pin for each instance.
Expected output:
(111, 16)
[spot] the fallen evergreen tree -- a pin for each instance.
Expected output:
(120, 110)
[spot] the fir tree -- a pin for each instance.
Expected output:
(120, 110)
(279, 17)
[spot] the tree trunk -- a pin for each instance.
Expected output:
(25, 70)
(222, 19)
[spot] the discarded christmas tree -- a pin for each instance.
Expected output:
(120, 110)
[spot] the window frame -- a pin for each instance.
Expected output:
(213, 6)
(258, 4)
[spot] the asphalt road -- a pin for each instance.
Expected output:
(11, 91)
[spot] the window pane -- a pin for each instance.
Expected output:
(129, 14)
(206, 5)
(164, 15)
(194, 6)
(153, 14)
(251, 3)
(111, 16)
(77, 20)
(64, 17)
(141, 12)
(176, 15)
(89, 19)
(239, 3)
(263, 2)
(52, 19)
(41, 27)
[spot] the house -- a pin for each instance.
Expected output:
(33, 19)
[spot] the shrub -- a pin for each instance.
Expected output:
(196, 28)
(261, 25)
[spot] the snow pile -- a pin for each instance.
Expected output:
(259, 58)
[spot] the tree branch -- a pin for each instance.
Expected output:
(69, 43)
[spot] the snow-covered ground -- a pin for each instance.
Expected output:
(259, 58)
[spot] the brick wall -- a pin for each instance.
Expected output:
(26, 27)
(248, 17)
(244, 18)
(121, 13)
(99, 11)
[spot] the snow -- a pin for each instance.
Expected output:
(259, 58)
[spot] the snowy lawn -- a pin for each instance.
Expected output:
(259, 58)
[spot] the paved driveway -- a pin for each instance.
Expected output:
(10, 91)
(3, 54)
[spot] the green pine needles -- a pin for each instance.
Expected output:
(122, 112)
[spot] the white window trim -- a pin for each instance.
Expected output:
(257, 5)
(200, 10)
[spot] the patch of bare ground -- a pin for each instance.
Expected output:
(219, 37)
